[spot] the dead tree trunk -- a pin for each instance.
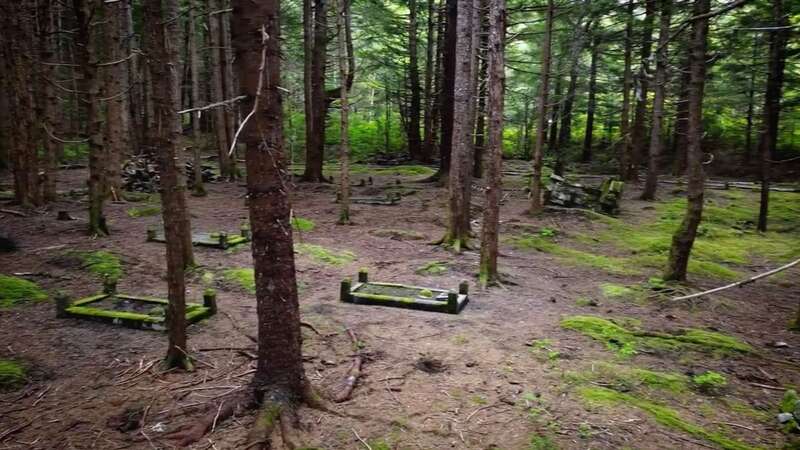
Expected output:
(494, 154)
(591, 104)
(656, 141)
(638, 133)
(162, 50)
(427, 120)
(778, 41)
(457, 235)
(315, 123)
(344, 143)
(624, 125)
(541, 113)
(683, 239)
(414, 140)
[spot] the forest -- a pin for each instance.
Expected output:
(400, 224)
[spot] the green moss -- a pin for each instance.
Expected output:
(433, 268)
(539, 442)
(660, 413)
(122, 315)
(614, 265)
(709, 381)
(15, 290)
(400, 235)
(625, 341)
(324, 255)
(12, 374)
(302, 225)
(144, 211)
(379, 444)
(616, 290)
(102, 263)
(788, 402)
(629, 378)
(244, 277)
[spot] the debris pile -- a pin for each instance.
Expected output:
(561, 192)
(140, 174)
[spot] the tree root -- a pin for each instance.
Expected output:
(194, 432)
(352, 374)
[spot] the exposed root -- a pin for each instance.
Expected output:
(268, 417)
(194, 432)
(352, 374)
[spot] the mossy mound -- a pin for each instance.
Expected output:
(624, 341)
(303, 225)
(243, 277)
(12, 374)
(16, 290)
(662, 414)
(625, 378)
(102, 263)
(144, 211)
(324, 255)
(433, 268)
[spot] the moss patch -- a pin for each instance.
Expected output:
(624, 341)
(242, 277)
(12, 374)
(144, 211)
(660, 413)
(324, 255)
(101, 263)
(546, 244)
(302, 225)
(15, 290)
(433, 268)
(398, 235)
(626, 378)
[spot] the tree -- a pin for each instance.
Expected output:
(344, 146)
(591, 104)
(414, 140)
(683, 239)
(772, 104)
(428, 115)
(162, 50)
(117, 126)
(494, 151)
(194, 64)
(48, 106)
(460, 182)
(315, 122)
(541, 114)
(656, 142)
(446, 95)
(625, 156)
(227, 166)
(638, 132)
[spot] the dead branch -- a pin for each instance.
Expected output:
(352, 374)
(740, 283)
(16, 213)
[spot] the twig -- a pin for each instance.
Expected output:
(16, 213)
(733, 425)
(359, 438)
(264, 38)
(214, 422)
(766, 386)
(352, 374)
(213, 105)
(740, 283)
(11, 431)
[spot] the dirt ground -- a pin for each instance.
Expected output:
(430, 380)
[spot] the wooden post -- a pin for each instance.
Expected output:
(223, 239)
(210, 300)
(109, 285)
(452, 302)
(62, 302)
(344, 291)
(363, 276)
(463, 288)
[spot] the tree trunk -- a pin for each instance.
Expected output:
(162, 50)
(586, 155)
(768, 140)
(565, 134)
(448, 87)
(541, 113)
(624, 126)
(256, 39)
(228, 80)
(315, 124)
(656, 141)
(751, 92)
(117, 132)
(344, 144)
(683, 239)
(639, 132)
(457, 234)
(50, 108)
(216, 69)
(679, 137)
(494, 154)
(414, 140)
(481, 63)
(308, 95)
(198, 190)
(427, 121)
(555, 112)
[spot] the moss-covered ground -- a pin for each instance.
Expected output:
(16, 290)
(12, 374)
(101, 263)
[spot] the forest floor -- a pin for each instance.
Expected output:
(534, 364)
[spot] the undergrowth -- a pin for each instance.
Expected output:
(16, 290)
(302, 225)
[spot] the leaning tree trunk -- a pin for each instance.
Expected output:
(344, 143)
(772, 104)
(457, 235)
(162, 50)
(683, 239)
(638, 132)
(591, 103)
(624, 125)
(541, 113)
(414, 139)
(656, 141)
(494, 151)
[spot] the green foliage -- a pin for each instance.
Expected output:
(324, 255)
(660, 413)
(144, 211)
(302, 225)
(15, 291)
(625, 341)
(616, 290)
(625, 378)
(12, 374)
(710, 381)
(789, 400)
(244, 277)
(74, 153)
(433, 268)
(102, 263)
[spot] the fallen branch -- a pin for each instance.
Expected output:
(352, 374)
(16, 213)
(740, 283)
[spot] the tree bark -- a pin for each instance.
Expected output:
(50, 108)
(280, 375)
(414, 140)
(591, 103)
(679, 137)
(457, 235)
(226, 167)
(161, 23)
(448, 87)
(624, 126)
(683, 239)
(228, 80)
(656, 141)
(481, 79)
(427, 121)
(315, 124)
(772, 104)
(494, 152)
(198, 190)
(638, 133)
(751, 92)
(541, 113)
(117, 132)
(344, 143)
